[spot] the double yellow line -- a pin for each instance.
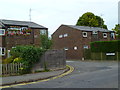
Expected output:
(71, 69)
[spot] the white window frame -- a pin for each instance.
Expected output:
(66, 49)
(113, 35)
(1, 51)
(104, 35)
(43, 32)
(85, 47)
(84, 33)
(8, 53)
(95, 32)
(66, 35)
(3, 33)
(75, 48)
(60, 36)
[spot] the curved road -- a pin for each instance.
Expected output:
(87, 74)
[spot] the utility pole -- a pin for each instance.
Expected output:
(30, 14)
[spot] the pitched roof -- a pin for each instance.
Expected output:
(87, 28)
(1, 25)
(21, 23)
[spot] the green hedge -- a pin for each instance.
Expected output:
(105, 46)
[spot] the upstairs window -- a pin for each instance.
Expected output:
(2, 51)
(65, 35)
(60, 36)
(84, 34)
(94, 32)
(113, 35)
(2, 31)
(43, 32)
(104, 35)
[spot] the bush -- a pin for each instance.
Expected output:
(8, 60)
(28, 54)
(105, 46)
(18, 60)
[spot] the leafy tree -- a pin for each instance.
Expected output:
(117, 30)
(46, 42)
(89, 19)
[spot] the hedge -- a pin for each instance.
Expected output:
(105, 46)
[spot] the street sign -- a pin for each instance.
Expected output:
(110, 54)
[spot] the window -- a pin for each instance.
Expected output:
(66, 48)
(104, 35)
(43, 32)
(75, 48)
(95, 32)
(2, 51)
(2, 31)
(8, 55)
(65, 35)
(113, 35)
(60, 36)
(84, 34)
(85, 47)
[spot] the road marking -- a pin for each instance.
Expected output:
(66, 73)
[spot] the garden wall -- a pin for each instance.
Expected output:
(51, 59)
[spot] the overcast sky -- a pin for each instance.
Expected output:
(53, 13)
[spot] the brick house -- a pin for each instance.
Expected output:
(14, 33)
(74, 39)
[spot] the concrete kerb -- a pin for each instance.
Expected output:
(68, 71)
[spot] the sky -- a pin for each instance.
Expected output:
(53, 13)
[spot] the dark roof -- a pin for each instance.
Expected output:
(87, 28)
(1, 25)
(21, 23)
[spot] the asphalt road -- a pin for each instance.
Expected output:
(87, 74)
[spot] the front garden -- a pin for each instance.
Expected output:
(27, 56)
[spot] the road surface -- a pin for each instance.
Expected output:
(87, 74)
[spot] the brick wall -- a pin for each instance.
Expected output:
(37, 37)
(75, 39)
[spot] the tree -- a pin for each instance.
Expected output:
(46, 42)
(117, 30)
(89, 19)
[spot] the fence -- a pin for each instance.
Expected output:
(12, 68)
(88, 55)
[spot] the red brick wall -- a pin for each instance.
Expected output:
(75, 38)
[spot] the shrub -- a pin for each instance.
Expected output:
(105, 46)
(28, 54)
(17, 60)
(8, 60)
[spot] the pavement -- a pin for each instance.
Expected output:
(32, 77)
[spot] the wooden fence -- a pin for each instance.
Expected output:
(12, 68)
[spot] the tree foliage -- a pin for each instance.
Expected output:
(89, 19)
(46, 43)
(117, 28)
